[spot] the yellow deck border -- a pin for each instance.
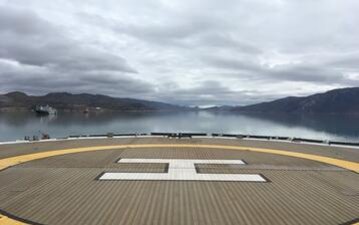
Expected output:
(7, 162)
(4, 220)
(12, 161)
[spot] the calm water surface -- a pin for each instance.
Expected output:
(333, 127)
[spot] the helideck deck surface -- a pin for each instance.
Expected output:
(66, 189)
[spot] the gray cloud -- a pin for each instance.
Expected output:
(23, 22)
(227, 41)
(303, 72)
(39, 80)
(186, 52)
(187, 32)
(345, 62)
(28, 39)
(211, 92)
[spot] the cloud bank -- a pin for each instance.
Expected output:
(183, 52)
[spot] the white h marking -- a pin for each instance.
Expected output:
(182, 169)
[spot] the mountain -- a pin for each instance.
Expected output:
(79, 102)
(223, 108)
(344, 101)
(339, 101)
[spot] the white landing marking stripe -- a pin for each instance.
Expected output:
(183, 176)
(182, 169)
(181, 161)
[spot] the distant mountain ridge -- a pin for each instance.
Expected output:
(338, 101)
(79, 102)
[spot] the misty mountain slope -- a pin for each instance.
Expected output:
(344, 100)
(67, 101)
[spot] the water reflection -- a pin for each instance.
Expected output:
(47, 118)
(343, 125)
(334, 127)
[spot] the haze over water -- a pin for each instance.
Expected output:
(327, 127)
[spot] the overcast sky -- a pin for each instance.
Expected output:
(188, 52)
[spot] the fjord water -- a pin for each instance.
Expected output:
(15, 126)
